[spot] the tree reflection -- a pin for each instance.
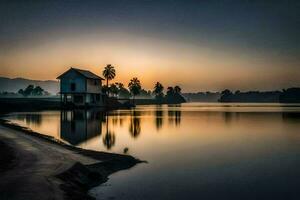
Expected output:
(35, 118)
(121, 121)
(227, 117)
(109, 138)
(177, 117)
(174, 114)
(120, 118)
(135, 124)
(291, 117)
(158, 117)
(115, 119)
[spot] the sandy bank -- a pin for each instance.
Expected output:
(36, 167)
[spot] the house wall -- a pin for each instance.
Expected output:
(93, 87)
(68, 79)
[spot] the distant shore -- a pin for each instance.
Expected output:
(34, 166)
(38, 104)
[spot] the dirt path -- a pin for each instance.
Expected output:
(36, 165)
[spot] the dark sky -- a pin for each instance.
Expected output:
(269, 29)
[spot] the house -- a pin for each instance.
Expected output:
(81, 88)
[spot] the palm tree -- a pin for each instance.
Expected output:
(120, 85)
(158, 89)
(134, 87)
(170, 91)
(174, 95)
(109, 73)
(122, 91)
(114, 89)
(177, 89)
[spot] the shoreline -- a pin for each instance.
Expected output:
(10, 104)
(44, 168)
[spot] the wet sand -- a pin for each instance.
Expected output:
(37, 167)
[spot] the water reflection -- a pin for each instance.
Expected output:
(228, 117)
(174, 114)
(158, 117)
(115, 130)
(35, 119)
(135, 124)
(109, 138)
(291, 117)
(78, 126)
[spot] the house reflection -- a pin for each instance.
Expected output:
(78, 126)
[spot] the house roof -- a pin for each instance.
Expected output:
(85, 73)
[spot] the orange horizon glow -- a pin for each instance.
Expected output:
(172, 62)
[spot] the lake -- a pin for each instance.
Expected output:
(194, 150)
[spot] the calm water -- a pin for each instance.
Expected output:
(194, 150)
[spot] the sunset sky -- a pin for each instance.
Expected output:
(199, 45)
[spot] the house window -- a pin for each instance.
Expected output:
(73, 86)
(95, 82)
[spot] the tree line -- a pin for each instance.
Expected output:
(32, 90)
(290, 95)
(173, 94)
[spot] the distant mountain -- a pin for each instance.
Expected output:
(14, 84)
